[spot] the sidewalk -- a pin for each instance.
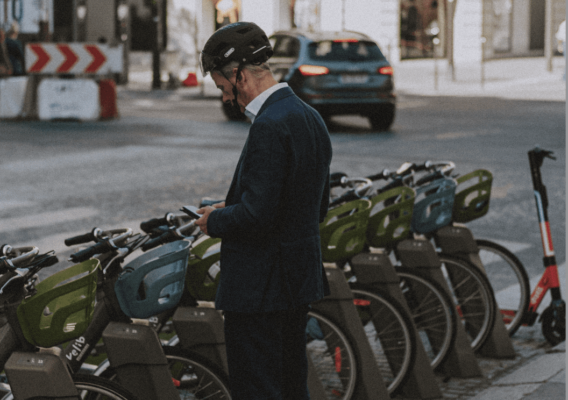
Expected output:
(543, 378)
(524, 78)
(513, 78)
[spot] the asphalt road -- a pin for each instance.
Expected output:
(169, 149)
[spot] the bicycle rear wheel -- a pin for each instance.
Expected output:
(433, 313)
(509, 280)
(332, 354)
(473, 297)
(390, 333)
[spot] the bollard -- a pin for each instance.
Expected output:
(375, 271)
(339, 305)
(33, 376)
(135, 353)
(461, 361)
(458, 241)
(201, 329)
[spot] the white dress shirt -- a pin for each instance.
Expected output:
(252, 109)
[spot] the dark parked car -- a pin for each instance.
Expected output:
(336, 73)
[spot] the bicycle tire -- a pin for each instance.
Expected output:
(92, 387)
(473, 297)
(194, 373)
(333, 355)
(390, 332)
(504, 267)
(432, 311)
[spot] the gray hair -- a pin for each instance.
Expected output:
(258, 71)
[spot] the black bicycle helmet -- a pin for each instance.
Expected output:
(244, 42)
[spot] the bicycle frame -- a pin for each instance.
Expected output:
(549, 279)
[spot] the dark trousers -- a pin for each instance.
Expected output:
(266, 353)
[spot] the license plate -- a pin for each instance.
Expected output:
(355, 78)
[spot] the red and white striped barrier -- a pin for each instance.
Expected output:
(73, 58)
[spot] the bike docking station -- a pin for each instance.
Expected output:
(375, 270)
(135, 353)
(458, 241)
(420, 253)
(134, 349)
(201, 330)
(40, 375)
(339, 305)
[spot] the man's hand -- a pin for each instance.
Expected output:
(205, 211)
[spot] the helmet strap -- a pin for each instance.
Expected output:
(234, 103)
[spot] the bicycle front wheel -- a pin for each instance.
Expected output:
(95, 388)
(390, 333)
(194, 376)
(509, 280)
(433, 313)
(332, 355)
(473, 297)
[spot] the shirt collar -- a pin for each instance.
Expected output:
(252, 109)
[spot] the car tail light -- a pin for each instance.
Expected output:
(385, 70)
(311, 70)
(346, 40)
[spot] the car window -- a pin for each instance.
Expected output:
(286, 46)
(329, 50)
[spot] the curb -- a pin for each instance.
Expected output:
(544, 377)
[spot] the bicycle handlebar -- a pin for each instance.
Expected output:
(18, 256)
(361, 187)
(84, 255)
(172, 235)
(384, 175)
(151, 224)
(86, 238)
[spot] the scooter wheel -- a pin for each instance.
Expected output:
(554, 325)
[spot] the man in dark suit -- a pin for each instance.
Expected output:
(271, 266)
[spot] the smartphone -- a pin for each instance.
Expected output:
(191, 211)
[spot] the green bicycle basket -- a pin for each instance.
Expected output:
(62, 307)
(202, 277)
(343, 231)
(390, 217)
(472, 197)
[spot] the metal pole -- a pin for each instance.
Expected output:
(158, 18)
(548, 32)
(5, 13)
(483, 40)
(435, 42)
(450, 41)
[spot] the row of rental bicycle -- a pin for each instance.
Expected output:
(413, 295)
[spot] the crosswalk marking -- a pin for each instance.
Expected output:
(47, 218)
(8, 204)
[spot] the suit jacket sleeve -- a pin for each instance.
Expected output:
(262, 174)
(324, 200)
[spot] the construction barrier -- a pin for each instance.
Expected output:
(68, 99)
(12, 95)
(107, 97)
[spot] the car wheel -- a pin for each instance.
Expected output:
(382, 118)
(232, 114)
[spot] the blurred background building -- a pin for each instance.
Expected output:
(459, 30)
